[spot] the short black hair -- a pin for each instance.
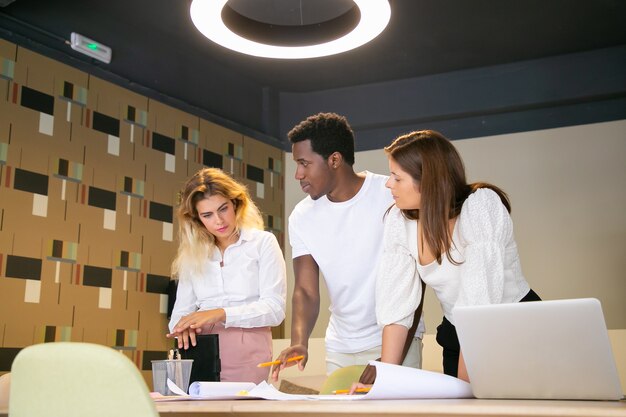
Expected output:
(328, 133)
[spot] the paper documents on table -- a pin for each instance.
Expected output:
(209, 391)
(393, 382)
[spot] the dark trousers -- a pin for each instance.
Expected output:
(449, 341)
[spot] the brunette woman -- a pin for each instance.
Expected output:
(453, 236)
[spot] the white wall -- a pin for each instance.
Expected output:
(568, 191)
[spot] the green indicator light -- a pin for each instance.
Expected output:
(93, 46)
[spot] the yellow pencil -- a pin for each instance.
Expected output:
(345, 391)
(266, 364)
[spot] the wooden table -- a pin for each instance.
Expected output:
(390, 408)
(369, 408)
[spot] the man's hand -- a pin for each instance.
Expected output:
(291, 351)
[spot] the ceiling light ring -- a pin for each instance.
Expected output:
(206, 16)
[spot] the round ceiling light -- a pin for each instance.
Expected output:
(207, 16)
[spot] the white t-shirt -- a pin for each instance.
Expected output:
(490, 272)
(345, 239)
(251, 287)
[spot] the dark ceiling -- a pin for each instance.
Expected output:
(156, 46)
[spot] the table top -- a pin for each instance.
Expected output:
(459, 407)
(390, 408)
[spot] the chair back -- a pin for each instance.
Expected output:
(342, 378)
(67, 379)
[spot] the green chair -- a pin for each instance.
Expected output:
(68, 379)
(342, 378)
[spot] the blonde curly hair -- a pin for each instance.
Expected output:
(196, 242)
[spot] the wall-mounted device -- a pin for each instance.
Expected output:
(90, 47)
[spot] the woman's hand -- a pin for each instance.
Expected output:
(190, 325)
(358, 385)
(184, 338)
(462, 369)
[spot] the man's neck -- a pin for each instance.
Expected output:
(348, 185)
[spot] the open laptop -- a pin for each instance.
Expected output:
(542, 350)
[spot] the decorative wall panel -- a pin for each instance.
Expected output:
(89, 173)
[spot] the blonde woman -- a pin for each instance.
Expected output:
(231, 275)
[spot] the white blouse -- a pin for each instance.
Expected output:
(251, 287)
(483, 241)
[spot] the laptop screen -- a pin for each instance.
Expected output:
(542, 350)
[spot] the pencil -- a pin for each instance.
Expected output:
(345, 391)
(266, 364)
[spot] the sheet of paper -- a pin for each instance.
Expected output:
(393, 382)
(401, 382)
(269, 392)
(209, 391)
(220, 389)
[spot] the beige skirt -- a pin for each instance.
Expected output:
(241, 350)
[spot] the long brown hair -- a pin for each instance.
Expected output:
(437, 169)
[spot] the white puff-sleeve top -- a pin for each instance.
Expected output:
(489, 270)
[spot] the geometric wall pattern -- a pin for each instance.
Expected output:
(89, 174)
